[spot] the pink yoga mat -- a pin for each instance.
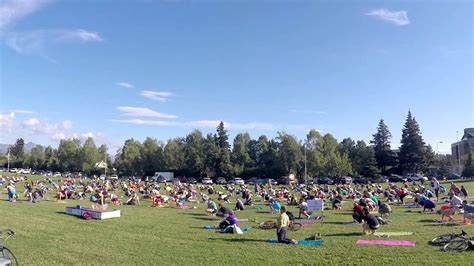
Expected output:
(306, 222)
(386, 242)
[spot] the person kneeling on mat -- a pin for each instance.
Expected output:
(283, 222)
(230, 220)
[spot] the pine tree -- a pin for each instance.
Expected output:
(412, 150)
(383, 152)
(224, 165)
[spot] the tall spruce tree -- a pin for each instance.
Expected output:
(224, 165)
(412, 150)
(383, 152)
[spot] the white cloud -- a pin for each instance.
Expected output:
(58, 136)
(125, 85)
(6, 120)
(23, 112)
(308, 112)
(147, 122)
(398, 18)
(36, 126)
(161, 96)
(35, 42)
(198, 124)
(141, 111)
(13, 10)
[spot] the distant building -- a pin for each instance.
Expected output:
(465, 145)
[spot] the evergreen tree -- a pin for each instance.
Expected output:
(412, 150)
(224, 165)
(383, 152)
(241, 159)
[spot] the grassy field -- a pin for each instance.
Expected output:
(146, 235)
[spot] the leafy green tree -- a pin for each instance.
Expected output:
(468, 170)
(174, 156)
(289, 153)
(211, 155)
(412, 150)
(89, 156)
(128, 159)
(69, 155)
(194, 160)
(37, 158)
(315, 160)
(17, 150)
(383, 152)
(240, 154)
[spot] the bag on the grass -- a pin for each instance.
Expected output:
(237, 230)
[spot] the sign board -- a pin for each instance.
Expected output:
(315, 205)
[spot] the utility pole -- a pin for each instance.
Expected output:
(105, 169)
(8, 159)
(437, 146)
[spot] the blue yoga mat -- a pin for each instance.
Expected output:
(302, 242)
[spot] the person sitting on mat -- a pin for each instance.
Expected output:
(230, 220)
(239, 205)
(304, 209)
(384, 209)
(274, 205)
(223, 211)
(283, 222)
(211, 207)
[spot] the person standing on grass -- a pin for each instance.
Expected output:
(283, 222)
(436, 187)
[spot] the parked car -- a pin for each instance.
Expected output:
(396, 178)
(252, 180)
(113, 176)
(361, 180)
(49, 173)
(192, 180)
(239, 181)
(13, 170)
(57, 174)
(271, 181)
(411, 178)
(323, 181)
(206, 181)
(221, 181)
(453, 176)
(161, 179)
(102, 177)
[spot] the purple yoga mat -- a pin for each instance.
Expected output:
(386, 242)
(306, 222)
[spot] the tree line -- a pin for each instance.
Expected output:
(200, 155)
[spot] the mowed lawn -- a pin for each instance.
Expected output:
(151, 236)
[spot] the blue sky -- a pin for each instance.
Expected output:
(121, 69)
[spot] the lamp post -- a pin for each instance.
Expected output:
(8, 159)
(437, 146)
(305, 169)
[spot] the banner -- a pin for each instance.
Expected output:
(315, 205)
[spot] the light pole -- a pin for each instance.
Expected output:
(305, 170)
(8, 159)
(437, 146)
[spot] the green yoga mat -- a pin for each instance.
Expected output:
(388, 234)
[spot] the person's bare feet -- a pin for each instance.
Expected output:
(293, 241)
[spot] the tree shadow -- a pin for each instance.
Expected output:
(426, 221)
(346, 234)
(344, 223)
(207, 218)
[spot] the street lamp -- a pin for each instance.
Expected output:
(437, 146)
(305, 169)
(457, 148)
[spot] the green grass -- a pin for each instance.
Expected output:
(145, 235)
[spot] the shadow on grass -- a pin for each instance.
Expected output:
(346, 234)
(194, 214)
(443, 224)
(237, 240)
(69, 215)
(340, 223)
(342, 213)
(426, 221)
(207, 218)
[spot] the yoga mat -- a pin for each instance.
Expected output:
(388, 234)
(310, 218)
(244, 229)
(386, 242)
(301, 242)
(243, 220)
(306, 223)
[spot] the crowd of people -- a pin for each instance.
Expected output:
(366, 199)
